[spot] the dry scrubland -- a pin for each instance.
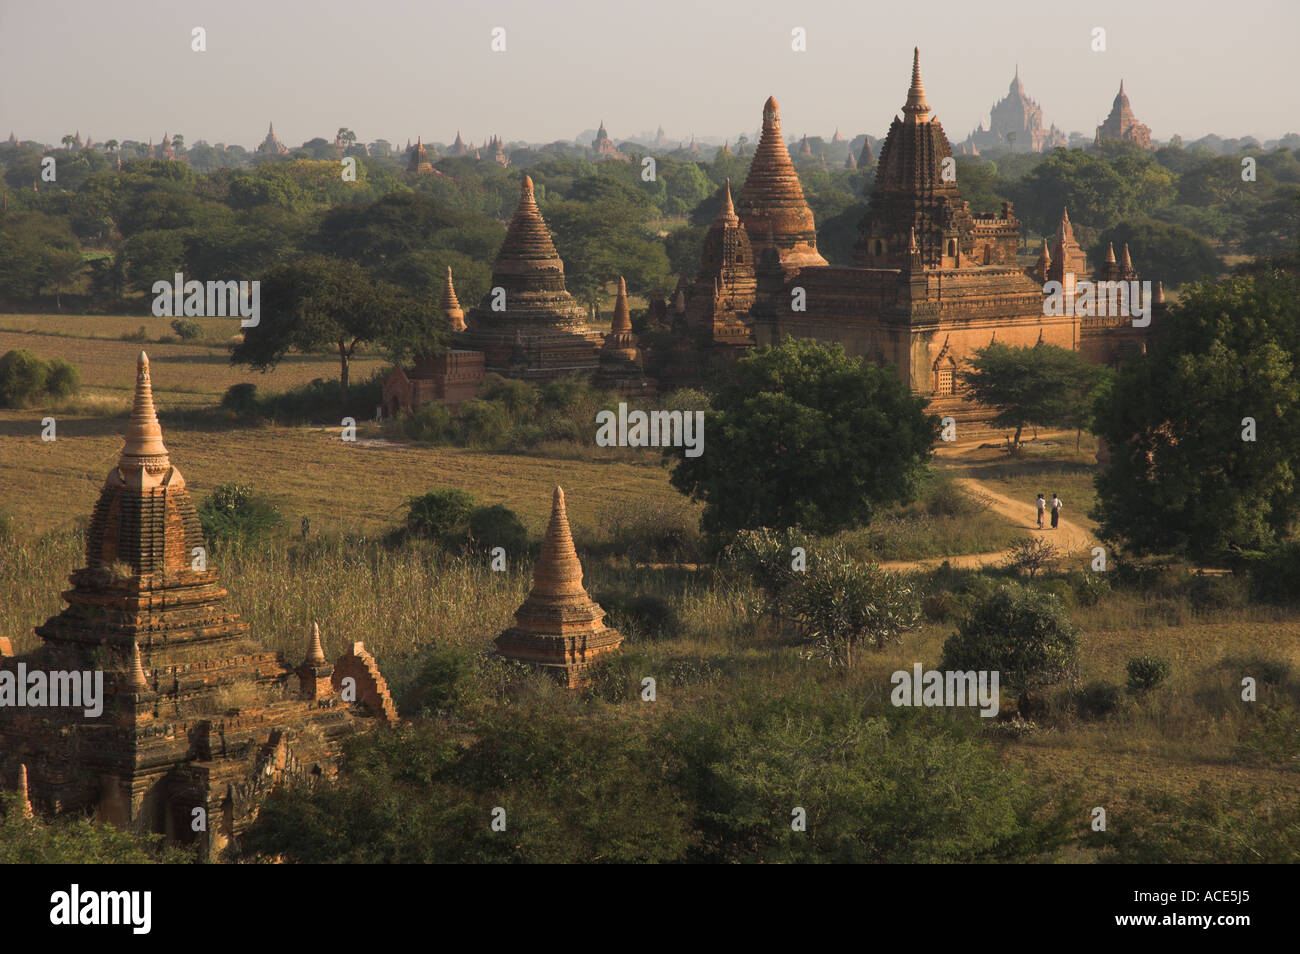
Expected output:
(402, 599)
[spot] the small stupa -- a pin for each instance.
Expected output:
(559, 628)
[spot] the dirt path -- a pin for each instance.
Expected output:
(1067, 538)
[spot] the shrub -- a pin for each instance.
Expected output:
(236, 514)
(639, 616)
(1210, 594)
(23, 378)
(1271, 672)
(482, 423)
(1146, 672)
(517, 397)
(1021, 632)
(1273, 574)
(1031, 554)
(497, 526)
(442, 680)
(139, 336)
(186, 329)
(430, 422)
(241, 398)
(1097, 699)
(1088, 586)
(439, 514)
(662, 531)
(847, 604)
(64, 380)
(523, 436)
(766, 557)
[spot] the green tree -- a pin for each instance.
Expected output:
(1171, 253)
(1023, 633)
(804, 435)
(314, 303)
(1182, 475)
(845, 604)
(1042, 386)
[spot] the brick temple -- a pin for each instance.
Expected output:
(559, 628)
(528, 325)
(1015, 124)
(1122, 125)
(197, 714)
(931, 281)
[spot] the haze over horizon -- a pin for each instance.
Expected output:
(395, 69)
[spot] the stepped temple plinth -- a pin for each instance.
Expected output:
(197, 718)
(559, 628)
(529, 304)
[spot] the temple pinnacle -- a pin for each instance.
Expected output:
(135, 679)
(622, 323)
(315, 654)
(558, 572)
(916, 105)
(144, 444)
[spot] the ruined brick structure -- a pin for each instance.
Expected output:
(1122, 124)
(559, 628)
(449, 378)
(197, 714)
(1015, 124)
(528, 325)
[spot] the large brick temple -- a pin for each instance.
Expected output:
(196, 714)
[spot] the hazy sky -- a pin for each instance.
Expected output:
(399, 68)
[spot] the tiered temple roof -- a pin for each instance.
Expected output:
(1122, 124)
(772, 203)
(528, 300)
(271, 145)
(559, 628)
(419, 159)
(196, 714)
(620, 357)
(1015, 122)
(449, 305)
(723, 292)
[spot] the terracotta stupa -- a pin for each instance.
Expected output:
(559, 628)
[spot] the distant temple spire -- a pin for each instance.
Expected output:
(315, 653)
(450, 306)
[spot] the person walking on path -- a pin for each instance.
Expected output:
(1042, 505)
(1056, 510)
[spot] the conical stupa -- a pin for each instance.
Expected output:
(772, 199)
(559, 628)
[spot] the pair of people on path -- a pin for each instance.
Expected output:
(1056, 510)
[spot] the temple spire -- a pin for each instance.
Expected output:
(23, 794)
(558, 572)
(1125, 262)
(1110, 253)
(315, 654)
(728, 209)
(144, 445)
(916, 108)
(622, 318)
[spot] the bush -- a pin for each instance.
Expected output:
(430, 422)
(1098, 699)
(236, 514)
(847, 604)
(439, 514)
(185, 329)
(23, 378)
(1209, 594)
(666, 531)
(482, 423)
(64, 380)
(139, 336)
(241, 398)
(442, 680)
(643, 616)
(1271, 672)
(1021, 632)
(1273, 574)
(1088, 586)
(1146, 672)
(524, 436)
(1031, 554)
(517, 397)
(497, 526)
